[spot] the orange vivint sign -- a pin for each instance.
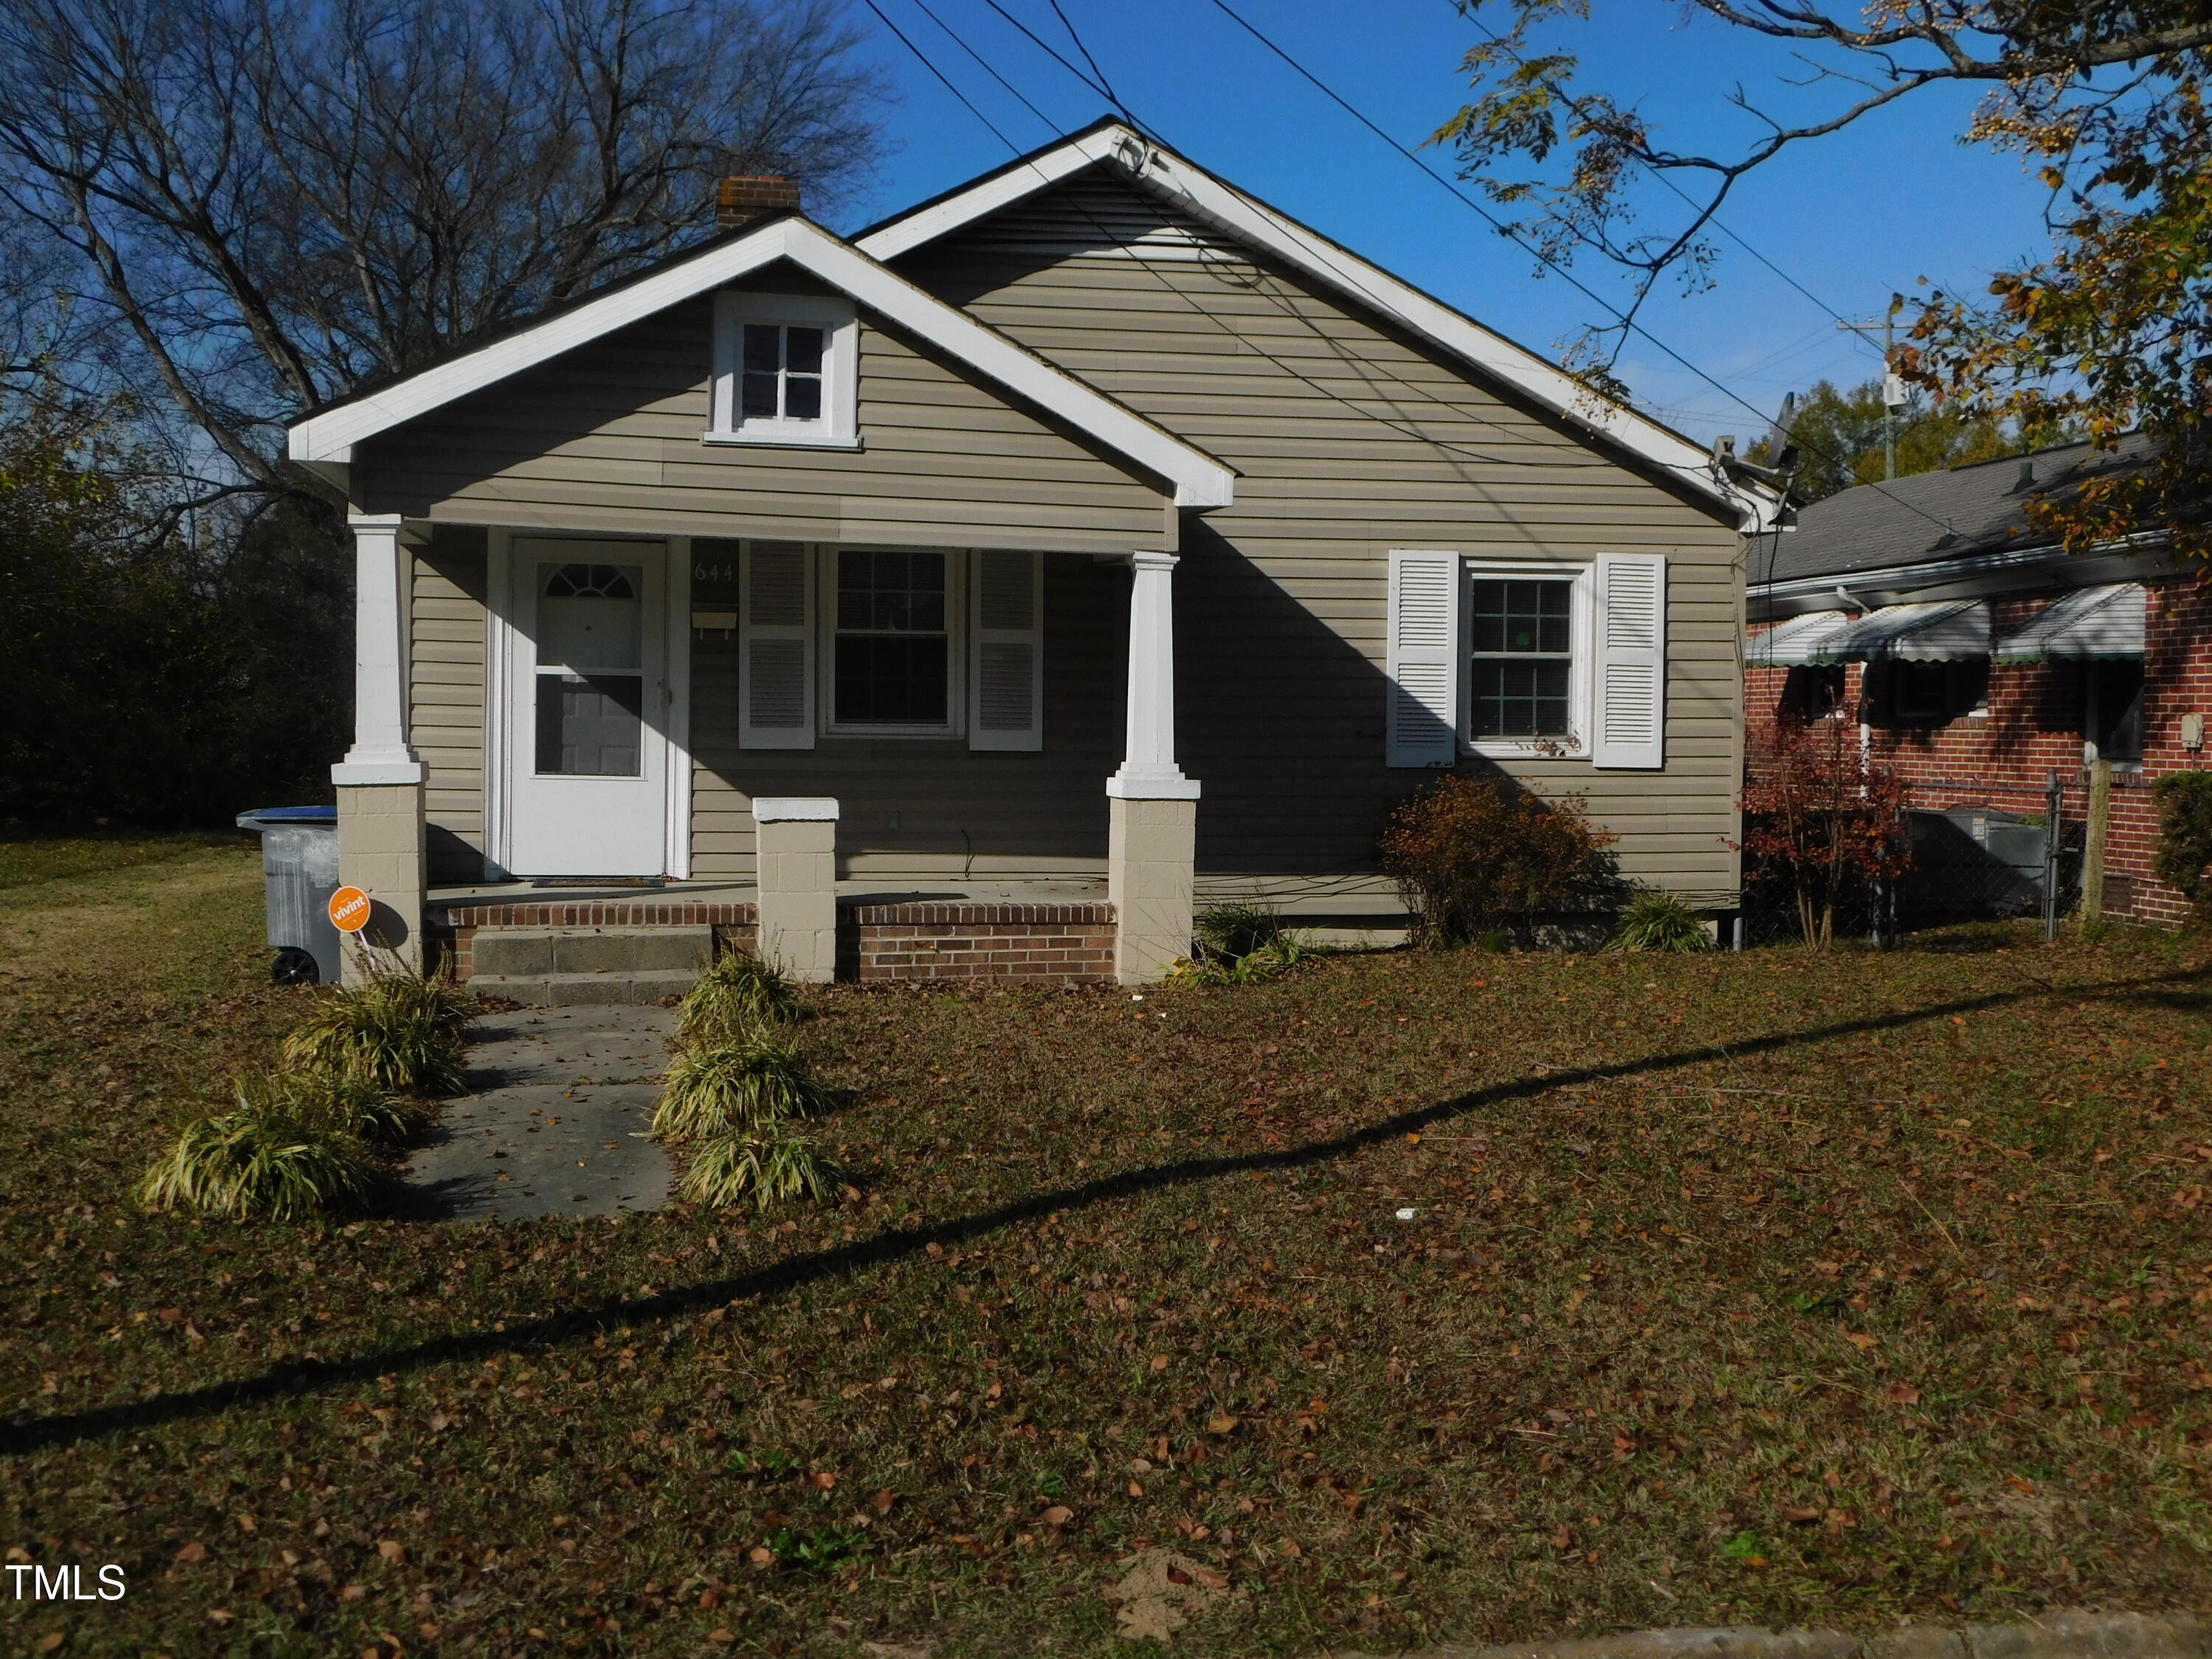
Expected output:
(349, 910)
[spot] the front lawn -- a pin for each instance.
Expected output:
(1416, 1299)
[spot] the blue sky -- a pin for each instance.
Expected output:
(1852, 217)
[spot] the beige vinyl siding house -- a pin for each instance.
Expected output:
(1350, 440)
(1084, 543)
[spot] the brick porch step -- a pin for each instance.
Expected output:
(572, 967)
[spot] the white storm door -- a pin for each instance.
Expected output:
(589, 703)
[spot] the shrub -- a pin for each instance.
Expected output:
(397, 1032)
(2184, 859)
(746, 1085)
(1823, 822)
(737, 997)
(774, 1163)
(1660, 921)
(1470, 858)
(259, 1161)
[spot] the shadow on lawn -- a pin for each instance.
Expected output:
(302, 1376)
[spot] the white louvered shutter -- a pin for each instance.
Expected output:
(776, 646)
(1629, 686)
(1005, 651)
(1424, 658)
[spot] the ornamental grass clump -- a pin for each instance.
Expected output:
(328, 1100)
(396, 1033)
(741, 1086)
(1240, 944)
(767, 1166)
(1657, 921)
(737, 997)
(260, 1161)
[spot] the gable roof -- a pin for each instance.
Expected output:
(1200, 480)
(1182, 185)
(1961, 512)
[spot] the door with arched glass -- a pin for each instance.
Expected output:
(588, 709)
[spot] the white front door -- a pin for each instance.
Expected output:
(588, 708)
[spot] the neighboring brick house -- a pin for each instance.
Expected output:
(1977, 657)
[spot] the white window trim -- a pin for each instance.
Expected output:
(1581, 665)
(956, 646)
(838, 429)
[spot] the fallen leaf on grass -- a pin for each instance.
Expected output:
(1902, 1394)
(1159, 1595)
(192, 1551)
(1058, 1515)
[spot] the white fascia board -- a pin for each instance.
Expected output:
(319, 436)
(1200, 480)
(927, 224)
(1191, 188)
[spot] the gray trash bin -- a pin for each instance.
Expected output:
(300, 861)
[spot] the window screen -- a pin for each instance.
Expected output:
(893, 645)
(781, 378)
(1522, 656)
(2116, 691)
(591, 677)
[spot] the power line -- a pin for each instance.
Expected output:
(1559, 92)
(1176, 292)
(1513, 236)
(1104, 85)
(1051, 125)
(941, 75)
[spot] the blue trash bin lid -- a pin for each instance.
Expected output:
(261, 815)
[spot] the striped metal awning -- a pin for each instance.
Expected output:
(1944, 630)
(1793, 644)
(2088, 625)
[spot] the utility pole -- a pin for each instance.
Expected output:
(1892, 384)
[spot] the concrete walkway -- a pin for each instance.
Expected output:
(556, 1121)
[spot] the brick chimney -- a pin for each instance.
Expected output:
(740, 200)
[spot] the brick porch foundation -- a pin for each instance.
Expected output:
(1012, 944)
(1006, 944)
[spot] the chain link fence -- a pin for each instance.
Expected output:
(1969, 863)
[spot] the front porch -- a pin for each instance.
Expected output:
(508, 799)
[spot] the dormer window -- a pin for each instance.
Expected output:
(785, 370)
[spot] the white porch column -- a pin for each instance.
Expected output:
(380, 782)
(1152, 808)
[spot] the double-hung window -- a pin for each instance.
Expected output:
(1521, 658)
(878, 642)
(785, 370)
(1511, 659)
(891, 646)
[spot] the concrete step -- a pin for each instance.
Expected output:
(539, 952)
(639, 987)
